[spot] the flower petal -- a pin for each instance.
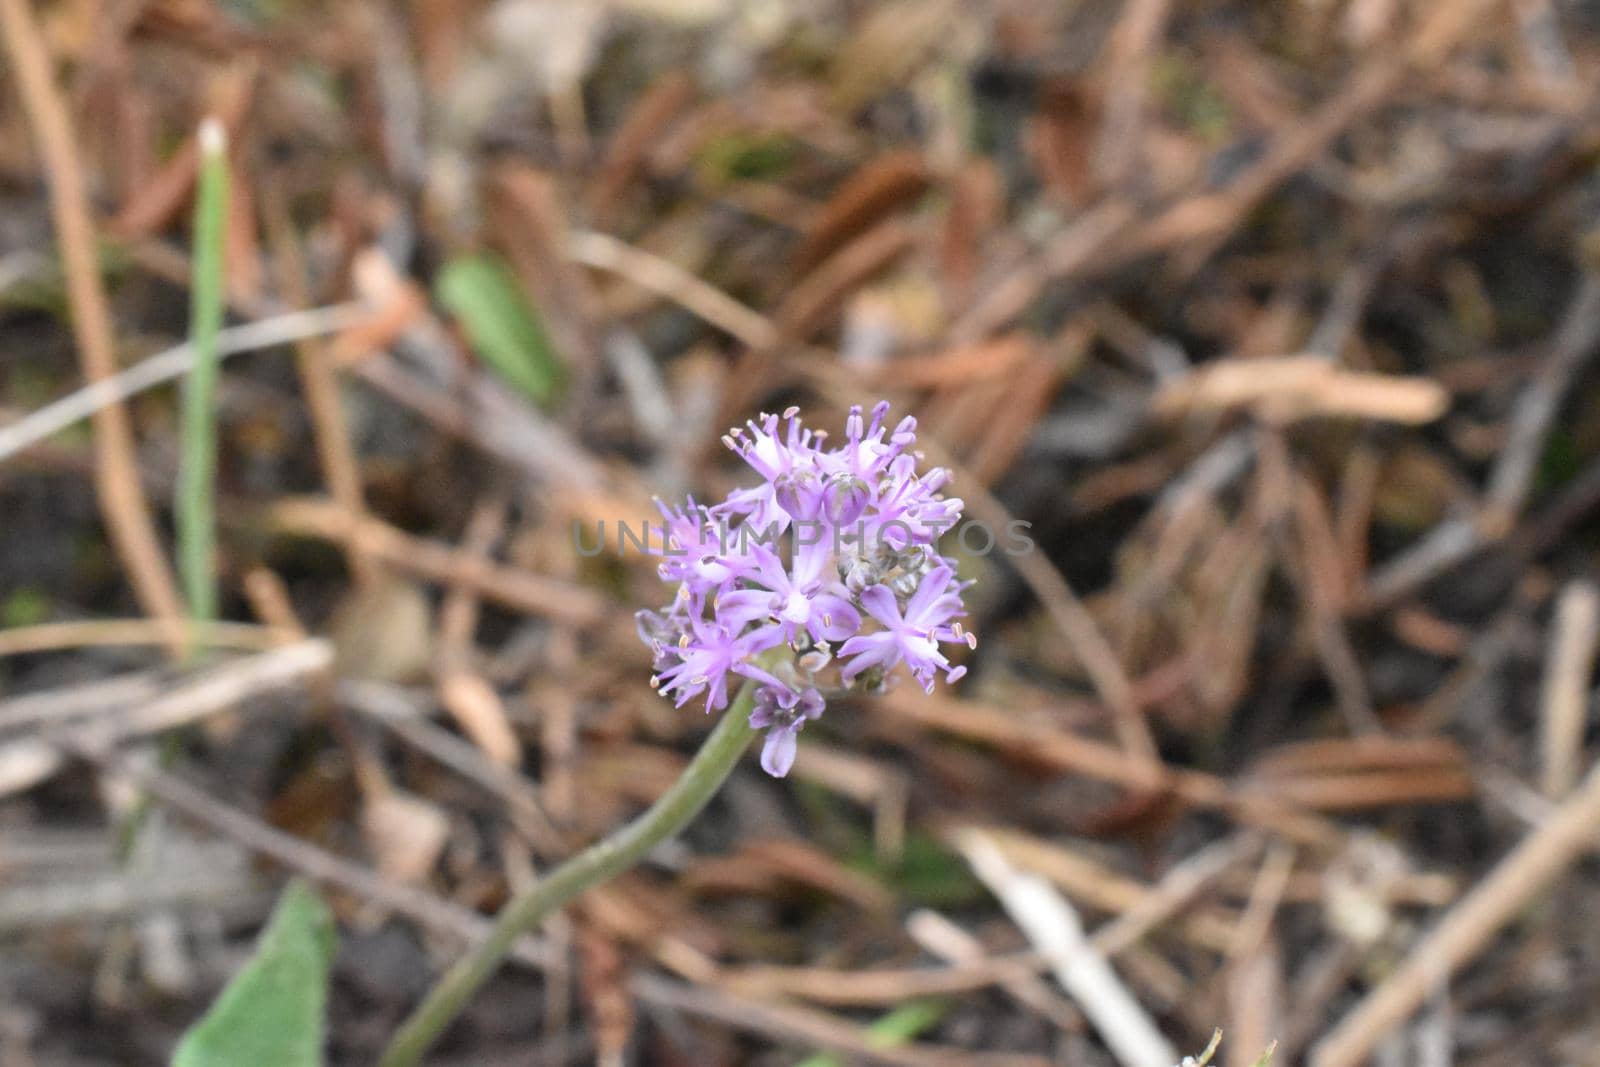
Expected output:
(778, 751)
(881, 605)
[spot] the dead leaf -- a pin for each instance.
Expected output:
(405, 833)
(481, 713)
(382, 630)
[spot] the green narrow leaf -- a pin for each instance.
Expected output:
(1211, 1050)
(275, 1009)
(501, 325)
(196, 504)
(896, 1028)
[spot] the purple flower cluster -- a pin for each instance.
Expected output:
(825, 575)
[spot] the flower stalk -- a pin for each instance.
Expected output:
(861, 589)
(603, 860)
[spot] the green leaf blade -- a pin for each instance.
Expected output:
(897, 1028)
(196, 504)
(501, 325)
(275, 1009)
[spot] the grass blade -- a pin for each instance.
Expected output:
(196, 504)
(896, 1028)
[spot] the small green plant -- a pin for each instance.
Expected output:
(1216, 1043)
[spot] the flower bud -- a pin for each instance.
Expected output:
(859, 574)
(796, 494)
(845, 498)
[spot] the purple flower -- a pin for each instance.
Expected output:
(781, 712)
(911, 634)
(791, 601)
(825, 574)
(703, 656)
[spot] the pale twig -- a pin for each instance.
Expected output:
(484, 411)
(1576, 341)
(32, 759)
(403, 715)
(848, 986)
(302, 856)
(213, 690)
(1467, 928)
(67, 702)
(121, 494)
(521, 590)
(1265, 897)
(475, 704)
(943, 938)
(1255, 993)
(59, 636)
(1177, 889)
(1569, 667)
(1130, 51)
(666, 279)
(1054, 928)
(808, 1027)
(165, 366)
(1291, 388)
(214, 876)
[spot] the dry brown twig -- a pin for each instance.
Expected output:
(1129, 55)
(463, 691)
(1467, 928)
(810, 1027)
(60, 636)
(517, 589)
(318, 380)
(1078, 626)
(670, 281)
(120, 490)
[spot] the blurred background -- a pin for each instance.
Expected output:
(1276, 321)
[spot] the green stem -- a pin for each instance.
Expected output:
(196, 505)
(602, 860)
